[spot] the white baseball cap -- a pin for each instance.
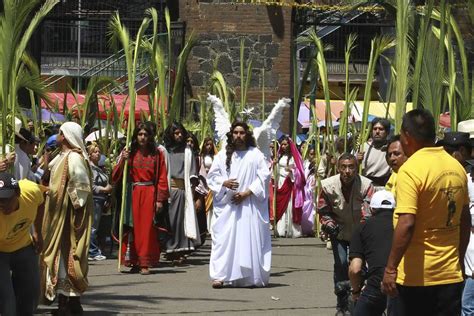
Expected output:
(382, 199)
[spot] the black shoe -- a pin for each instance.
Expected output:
(63, 306)
(75, 305)
(340, 312)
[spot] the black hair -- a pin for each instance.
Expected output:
(195, 149)
(384, 122)
(347, 156)
(230, 148)
(150, 145)
(393, 139)
(27, 135)
(420, 124)
(288, 152)
(152, 126)
(168, 137)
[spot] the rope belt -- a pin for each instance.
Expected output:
(177, 183)
(142, 183)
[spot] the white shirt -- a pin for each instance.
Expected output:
(22, 165)
(469, 258)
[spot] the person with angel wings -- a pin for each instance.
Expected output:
(241, 241)
(239, 180)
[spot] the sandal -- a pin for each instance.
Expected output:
(144, 271)
(217, 284)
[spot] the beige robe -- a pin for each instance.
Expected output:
(67, 226)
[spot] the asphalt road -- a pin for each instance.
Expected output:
(300, 284)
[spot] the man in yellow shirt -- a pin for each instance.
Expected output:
(21, 206)
(432, 230)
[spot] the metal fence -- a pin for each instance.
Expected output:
(335, 27)
(79, 47)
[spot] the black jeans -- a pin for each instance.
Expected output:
(19, 282)
(371, 302)
(435, 300)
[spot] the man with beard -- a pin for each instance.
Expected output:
(182, 170)
(241, 242)
(342, 204)
(395, 158)
(372, 156)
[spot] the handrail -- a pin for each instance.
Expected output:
(101, 66)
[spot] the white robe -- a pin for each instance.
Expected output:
(241, 241)
(285, 226)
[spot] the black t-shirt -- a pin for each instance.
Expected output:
(371, 241)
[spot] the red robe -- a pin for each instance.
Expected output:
(142, 247)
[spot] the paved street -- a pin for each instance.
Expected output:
(300, 284)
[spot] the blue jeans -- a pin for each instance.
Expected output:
(468, 297)
(93, 246)
(19, 282)
(340, 250)
(371, 302)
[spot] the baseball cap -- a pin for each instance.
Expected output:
(382, 199)
(455, 139)
(51, 142)
(8, 185)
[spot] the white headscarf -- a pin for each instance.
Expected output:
(74, 136)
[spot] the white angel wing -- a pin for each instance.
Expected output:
(221, 118)
(266, 132)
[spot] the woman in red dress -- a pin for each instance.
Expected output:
(147, 192)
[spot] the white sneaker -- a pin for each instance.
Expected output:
(97, 258)
(328, 245)
(100, 257)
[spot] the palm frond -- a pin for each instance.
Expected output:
(378, 45)
(175, 109)
(402, 58)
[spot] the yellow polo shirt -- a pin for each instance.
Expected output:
(392, 183)
(432, 185)
(15, 227)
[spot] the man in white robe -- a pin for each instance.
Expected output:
(241, 242)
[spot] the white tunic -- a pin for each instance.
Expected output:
(285, 226)
(241, 242)
(469, 258)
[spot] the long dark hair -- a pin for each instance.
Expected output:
(150, 145)
(230, 148)
(195, 148)
(168, 137)
(203, 147)
(288, 150)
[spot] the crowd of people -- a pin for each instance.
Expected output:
(397, 212)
